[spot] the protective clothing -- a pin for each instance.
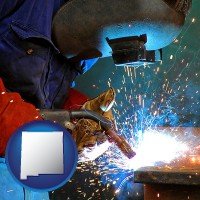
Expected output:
(131, 31)
(10, 189)
(14, 112)
(75, 100)
(89, 136)
(30, 63)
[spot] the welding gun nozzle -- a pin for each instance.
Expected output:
(121, 143)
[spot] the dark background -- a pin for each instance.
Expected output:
(165, 94)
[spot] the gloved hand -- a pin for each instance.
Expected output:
(89, 136)
(91, 143)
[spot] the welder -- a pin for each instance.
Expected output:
(32, 65)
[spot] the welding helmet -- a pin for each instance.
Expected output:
(133, 32)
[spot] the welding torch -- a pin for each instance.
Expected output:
(64, 116)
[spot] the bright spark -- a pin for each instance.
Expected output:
(154, 147)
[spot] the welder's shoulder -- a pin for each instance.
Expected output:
(8, 6)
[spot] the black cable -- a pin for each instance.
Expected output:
(24, 193)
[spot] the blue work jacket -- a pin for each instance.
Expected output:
(30, 63)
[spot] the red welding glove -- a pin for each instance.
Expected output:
(75, 100)
(14, 112)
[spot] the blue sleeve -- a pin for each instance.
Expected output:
(8, 6)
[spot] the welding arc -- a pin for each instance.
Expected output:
(112, 133)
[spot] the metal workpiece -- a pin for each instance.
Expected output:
(183, 170)
(165, 175)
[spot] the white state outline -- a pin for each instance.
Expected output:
(41, 153)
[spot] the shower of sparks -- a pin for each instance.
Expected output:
(154, 147)
(149, 97)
